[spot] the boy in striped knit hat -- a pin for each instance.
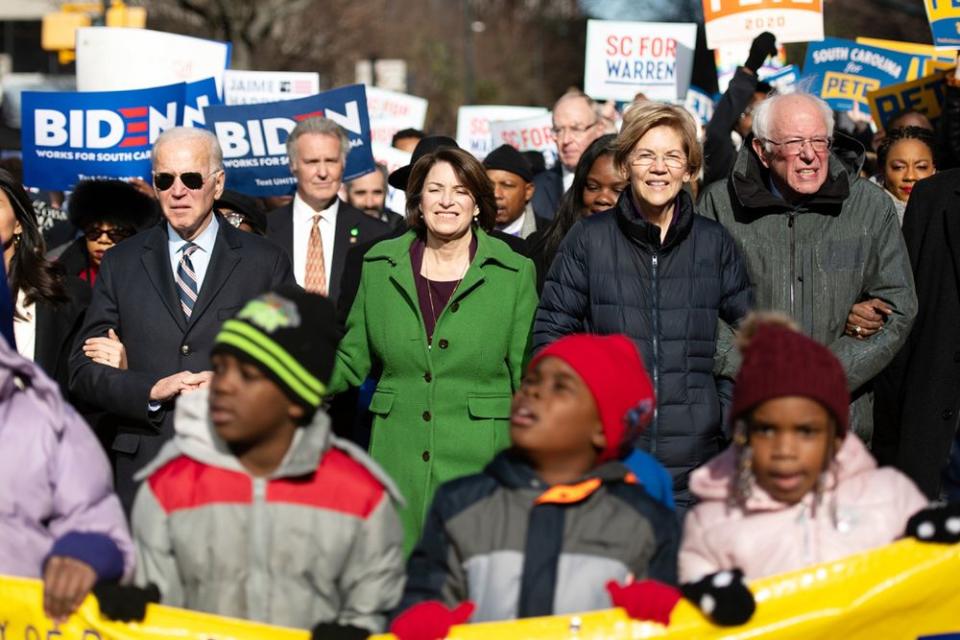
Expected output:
(254, 509)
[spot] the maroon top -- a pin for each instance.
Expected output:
(438, 291)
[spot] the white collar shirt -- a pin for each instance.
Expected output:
(25, 326)
(201, 258)
(302, 223)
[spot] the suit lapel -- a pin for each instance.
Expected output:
(222, 263)
(951, 222)
(47, 339)
(156, 262)
(346, 221)
(283, 234)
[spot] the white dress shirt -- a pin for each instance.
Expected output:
(201, 258)
(567, 178)
(25, 327)
(302, 223)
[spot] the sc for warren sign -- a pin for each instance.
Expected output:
(627, 58)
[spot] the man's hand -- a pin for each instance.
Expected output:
(867, 317)
(66, 582)
(172, 386)
(109, 351)
(762, 47)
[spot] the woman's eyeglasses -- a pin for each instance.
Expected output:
(116, 234)
(192, 180)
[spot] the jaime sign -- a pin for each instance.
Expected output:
(740, 21)
(842, 72)
(627, 58)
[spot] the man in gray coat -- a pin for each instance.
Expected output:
(817, 238)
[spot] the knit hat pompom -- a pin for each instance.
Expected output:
(612, 369)
(779, 361)
(292, 336)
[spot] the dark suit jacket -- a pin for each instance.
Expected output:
(917, 398)
(280, 230)
(136, 295)
(56, 328)
(546, 198)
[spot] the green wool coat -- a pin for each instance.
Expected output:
(440, 412)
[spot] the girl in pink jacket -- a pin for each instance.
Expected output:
(796, 487)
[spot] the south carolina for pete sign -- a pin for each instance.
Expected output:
(740, 21)
(843, 72)
(627, 58)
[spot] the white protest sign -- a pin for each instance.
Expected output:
(473, 125)
(740, 21)
(627, 58)
(528, 134)
(393, 159)
(391, 111)
(118, 59)
(255, 87)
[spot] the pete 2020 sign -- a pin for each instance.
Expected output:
(944, 18)
(72, 136)
(740, 21)
(253, 138)
(842, 72)
(924, 95)
(627, 58)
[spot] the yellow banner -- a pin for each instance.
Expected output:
(926, 57)
(22, 618)
(906, 590)
(924, 95)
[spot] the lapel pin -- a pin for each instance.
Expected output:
(354, 232)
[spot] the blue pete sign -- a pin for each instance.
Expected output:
(71, 136)
(842, 72)
(253, 137)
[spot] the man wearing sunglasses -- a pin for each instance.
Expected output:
(818, 238)
(317, 228)
(165, 293)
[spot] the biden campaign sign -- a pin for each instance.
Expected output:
(254, 137)
(842, 72)
(72, 136)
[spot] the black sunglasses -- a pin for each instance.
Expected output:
(192, 180)
(116, 234)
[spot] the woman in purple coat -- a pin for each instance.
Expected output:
(59, 517)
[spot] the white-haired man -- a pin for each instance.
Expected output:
(166, 292)
(818, 238)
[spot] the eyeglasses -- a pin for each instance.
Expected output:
(670, 160)
(794, 146)
(116, 234)
(235, 219)
(192, 180)
(575, 131)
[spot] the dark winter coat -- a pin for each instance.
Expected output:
(918, 396)
(815, 260)
(612, 275)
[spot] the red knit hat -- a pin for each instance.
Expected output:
(613, 371)
(781, 362)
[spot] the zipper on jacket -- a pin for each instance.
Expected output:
(791, 218)
(654, 262)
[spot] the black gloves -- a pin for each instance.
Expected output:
(334, 631)
(763, 46)
(936, 524)
(723, 597)
(125, 603)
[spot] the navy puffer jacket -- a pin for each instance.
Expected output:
(612, 275)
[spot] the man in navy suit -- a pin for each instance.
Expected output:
(165, 292)
(317, 149)
(576, 123)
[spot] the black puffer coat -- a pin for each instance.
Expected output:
(612, 275)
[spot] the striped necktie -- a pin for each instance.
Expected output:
(187, 285)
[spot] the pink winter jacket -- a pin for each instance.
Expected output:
(767, 537)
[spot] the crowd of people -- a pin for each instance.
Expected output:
(665, 366)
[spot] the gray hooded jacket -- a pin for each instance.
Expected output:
(317, 541)
(817, 259)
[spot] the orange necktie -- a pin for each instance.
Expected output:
(315, 280)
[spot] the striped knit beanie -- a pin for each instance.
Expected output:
(292, 336)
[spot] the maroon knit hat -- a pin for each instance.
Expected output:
(782, 362)
(613, 371)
